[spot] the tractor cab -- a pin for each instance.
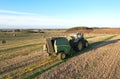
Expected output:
(76, 36)
(78, 42)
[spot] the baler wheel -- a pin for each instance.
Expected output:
(61, 56)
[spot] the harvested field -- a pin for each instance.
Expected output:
(22, 57)
(22, 51)
(102, 62)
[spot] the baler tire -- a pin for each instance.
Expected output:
(61, 56)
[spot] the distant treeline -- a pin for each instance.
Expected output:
(79, 28)
(33, 31)
(10, 30)
(22, 30)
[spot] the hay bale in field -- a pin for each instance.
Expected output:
(41, 32)
(14, 34)
(3, 41)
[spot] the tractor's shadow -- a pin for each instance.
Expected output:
(94, 45)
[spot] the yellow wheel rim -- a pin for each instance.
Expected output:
(63, 56)
(80, 46)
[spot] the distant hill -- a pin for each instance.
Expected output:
(94, 30)
(78, 28)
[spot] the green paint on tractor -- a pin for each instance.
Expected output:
(61, 46)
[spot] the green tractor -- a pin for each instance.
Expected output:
(61, 46)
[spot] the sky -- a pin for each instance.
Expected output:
(40, 14)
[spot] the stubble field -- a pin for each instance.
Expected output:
(22, 57)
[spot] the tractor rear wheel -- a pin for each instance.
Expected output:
(80, 45)
(86, 44)
(61, 56)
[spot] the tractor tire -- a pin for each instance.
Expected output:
(79, 46)
(61, 56)
(86, 44)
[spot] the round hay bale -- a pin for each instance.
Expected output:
(3, 41)
(14, 34)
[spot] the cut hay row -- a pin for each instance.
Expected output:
(28, 69)
(24, 62)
